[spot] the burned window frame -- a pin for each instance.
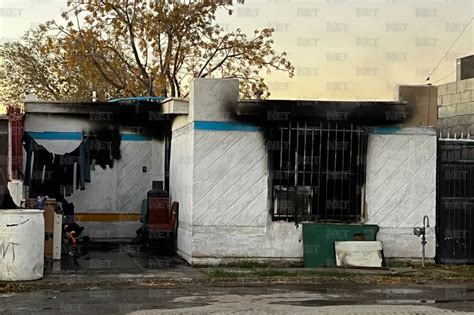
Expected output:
(301, 179)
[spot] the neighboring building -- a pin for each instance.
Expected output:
(110, 205)
(455, 204)
(456, 104)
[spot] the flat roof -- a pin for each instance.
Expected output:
(363, 112)
(66, 107)
(368, 112)
(167, 106)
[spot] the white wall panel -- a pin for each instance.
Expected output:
(132, 183)
(100, 195)
(181, 178)
(230, 178)
(401, 189)
(281, 240)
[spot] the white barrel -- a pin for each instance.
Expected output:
(21, 244)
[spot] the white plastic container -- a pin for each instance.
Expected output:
(21, 244)
(359, 253)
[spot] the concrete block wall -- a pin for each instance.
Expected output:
(456, 108)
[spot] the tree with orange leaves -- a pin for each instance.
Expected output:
(136, 48)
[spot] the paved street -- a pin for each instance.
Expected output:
(118, 279)
(238, 299)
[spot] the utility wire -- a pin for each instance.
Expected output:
(441, 60)
(444, 77)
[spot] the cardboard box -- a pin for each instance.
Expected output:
(49, 218)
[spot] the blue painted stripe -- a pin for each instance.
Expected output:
(224, 126)
(59, 135)
(55, 135)
(135, 137)
(385, 130)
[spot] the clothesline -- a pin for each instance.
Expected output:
(57, 175)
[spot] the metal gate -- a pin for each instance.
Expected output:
(455, 201)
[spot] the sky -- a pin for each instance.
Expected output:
(341, 49)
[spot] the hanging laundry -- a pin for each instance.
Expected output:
(39, 165)
(54, 174)
(105, 147)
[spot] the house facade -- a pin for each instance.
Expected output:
(245, 174)
(248, 174)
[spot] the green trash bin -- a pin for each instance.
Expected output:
(318, 241)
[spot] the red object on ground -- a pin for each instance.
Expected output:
(163, 221)
(158, 210)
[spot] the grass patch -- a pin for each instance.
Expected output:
(247, 264)
(400, 264)
(431, 273)
(274, 273)
(324, 273)
(221, 273)
(254, 272)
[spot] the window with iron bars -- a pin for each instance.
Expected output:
(318, 172)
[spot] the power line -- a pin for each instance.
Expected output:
(441, 60)
(444, 77)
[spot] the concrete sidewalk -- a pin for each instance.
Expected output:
(111, 265)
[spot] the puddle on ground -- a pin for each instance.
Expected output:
(112, 257)
(319, 303)
(396, 291)
(400, 302)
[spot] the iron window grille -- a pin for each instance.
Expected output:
(318, 172)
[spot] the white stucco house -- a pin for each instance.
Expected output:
(229, 158)
(248, 173)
